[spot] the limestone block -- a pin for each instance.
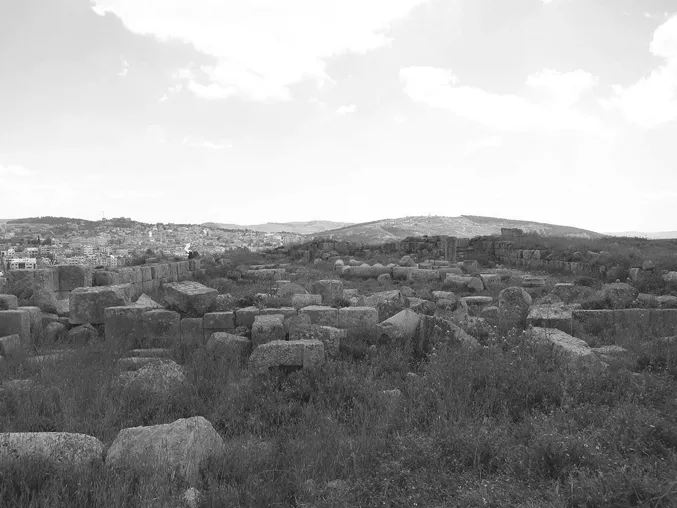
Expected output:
(245, 316)
(267, 328)
(299, 301)
(490, 279)
(35, 319)
(330, 290)
(365, 272)
(289, 289)
(550, 316)
(227, 346)
(218, 322)
(400, 328)
(10, 345)
(87, 304)
(16, 322)
(575, 353)
(387, 303)
(161, 329)
(620, 294)
(269, 274)
(358, 321)
(74, 276)
(184, 447)
(65, 451)
(146, 274)
(321, 315)
(190, 296)
(513, 307)
(293, 353)
(287, 312)
(533, 281)
(8, 302)
(421, 306)
(294, 321)
(477, 303)
(433, 330)
(456, 282)
(421, 275)
(329, 336)
(123, 325)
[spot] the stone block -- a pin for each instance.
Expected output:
(8, 302)
(329, 336)
(87, 304)
(105, 278)
(218, 322)
(190, 297)
(287, 312)
(400, 328)
(321, 315)
(490, 279)
(282, 353)
(550, 316)
(10, 346)
(330, 290)
(267, 328)
(575, 353)
(227, 346)
(35, 319)
(299, 301)
(246, 315)
(16, 322)
(74, 276)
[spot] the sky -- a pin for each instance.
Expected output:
(558, 111)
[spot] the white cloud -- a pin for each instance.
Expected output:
(263, 46)
(480, 144)
(652, 101)
(15, 171)
(125, 68)
(206, 143)
(439, 88)
(346, 110)
(155, 134)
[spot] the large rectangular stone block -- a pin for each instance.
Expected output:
(35, 319)
(105, 278)
(74, 276)
(189, 296)
(146, 273)
(321, 315)
(245, 316)
(10, 345)
(219, 321)
(8, 302)
(87, 304)
(192, 332)
(16, 322)
(358, 321)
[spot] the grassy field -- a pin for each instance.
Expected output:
(500, 426)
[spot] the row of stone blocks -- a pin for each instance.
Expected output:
(62, 279)
(593, 322)
(134, 327)
(566, 266)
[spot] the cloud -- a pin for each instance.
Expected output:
(262, 46)
(15, 171)
(439, 88)
(206, 143)
(345, 110)
(125, 68)
(652, 101)
(480, 144)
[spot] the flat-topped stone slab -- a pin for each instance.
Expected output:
(87, 304)
(283, 353)
(321, 315)
(358, 321)
(16, 322)
(575, 353)
(190, 296)
(550, 316)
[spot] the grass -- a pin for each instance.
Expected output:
(504, 425)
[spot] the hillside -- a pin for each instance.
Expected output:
(300, 228)
(660, 235)
(464, 226)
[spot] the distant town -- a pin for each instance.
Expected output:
(38, 242)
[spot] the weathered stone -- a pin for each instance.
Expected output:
(550, 316)
(227, 346)
(293, 353)
(358, 321)
(299, 301)
(289, 289)
(10, 346)
(34, 319)
(477, 303)
(575, 353)
(160, 380)
(424, 275)
(267, 328)
(634, 274)
(433, 330)
(513, 307)
(321, 315)
(190, 297)
(218, 322)
(365, 272)
(269, 274)
(456, 282)
(490, 279)
(87, 304)
(161, 328)
(62, 450)
(16, 322)
(490, 313)
(670, 277)
(8, 302)
(246, 315)
(330, 290)
(384, 279)
(329, 336)
(44, 299)
(476, 284)
(224, 303)
(53, 332)
(620, 294)
(452, 310)
(421, 306)
(287, 312)
(667, 301)
(566, 291)
(444, 295)
(147, 302)
(135, 363)
(150, 353)
(470, 266)
(533, 281)
(400, 328)
(387, 303)
(182, 447)
(73, 276)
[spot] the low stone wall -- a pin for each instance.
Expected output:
(651, 322)
(62, 279)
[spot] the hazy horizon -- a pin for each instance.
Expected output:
(553, 111)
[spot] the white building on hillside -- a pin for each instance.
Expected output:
(23, 264)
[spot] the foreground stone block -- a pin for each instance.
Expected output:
(575, 353)
(227, 346)
(246, 316)
(298, 301)
(321, 315)
(182, 447)
(358, 321)
(87, 305)
(10, 346)
(550, 316)
(156, 380)
(329, 336)
(62, 450)
(400, 328)
(267, 328)
(293, 353)
(16, 322)
(620, 294)
(218, 322)
(9, 302)
(329, 290)
(34, 318)
(190, 297)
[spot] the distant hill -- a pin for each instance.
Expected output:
(464, 226)
(660, 235)
(300, 228)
